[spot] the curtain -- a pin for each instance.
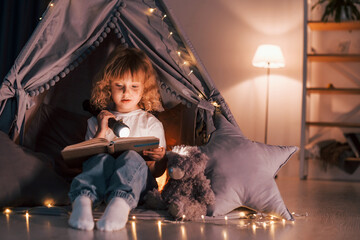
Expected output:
(18, 20)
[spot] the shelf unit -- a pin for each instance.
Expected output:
(333, 90)
(308, 58)
(333, 57)
(326, 26)
(333, 124)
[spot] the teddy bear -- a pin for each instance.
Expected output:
(188, 192)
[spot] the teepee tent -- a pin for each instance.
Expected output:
(72, 32)
(42, 96)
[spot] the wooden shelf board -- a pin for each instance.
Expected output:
(334, 90)
(326, 26)
(334, 124)
(353, 159)
(334, 57)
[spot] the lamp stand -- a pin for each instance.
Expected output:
(268, 56)
(267, 102)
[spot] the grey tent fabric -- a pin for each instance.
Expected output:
(71, 30)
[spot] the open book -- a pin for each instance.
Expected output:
(75, 154)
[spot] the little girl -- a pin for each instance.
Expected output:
(128, 87)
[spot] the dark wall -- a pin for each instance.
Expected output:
(18, 20)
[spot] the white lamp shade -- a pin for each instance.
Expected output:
(268, 56)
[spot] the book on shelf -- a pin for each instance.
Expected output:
(353, 140)
(75, 154)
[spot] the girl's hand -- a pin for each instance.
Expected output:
(103, 119)
(155, 154)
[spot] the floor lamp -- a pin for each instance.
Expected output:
(268, 56)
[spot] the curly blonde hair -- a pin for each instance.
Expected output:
(121, 62)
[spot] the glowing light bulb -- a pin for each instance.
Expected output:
(190, 72)
(40, 18)
(202, 217)
(27, 215)
(283, 220)
(215, 104)
(242, 214)
(7, 211)
(133, 217)
(164, 17)
(179, 53)
(51, 4)
(226, 218)
(170, 34)
(49, 203)
(151, 10)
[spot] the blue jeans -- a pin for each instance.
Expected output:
(104, 177)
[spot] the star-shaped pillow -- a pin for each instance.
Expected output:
(242, 172)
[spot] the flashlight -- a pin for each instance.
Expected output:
(119, 128)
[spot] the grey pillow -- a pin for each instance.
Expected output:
(51, 130)
(242, 171)
(26, 177)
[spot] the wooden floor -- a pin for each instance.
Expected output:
(323, 210)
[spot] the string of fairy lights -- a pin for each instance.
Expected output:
(184, 61)
(243, 220)
(184, 57)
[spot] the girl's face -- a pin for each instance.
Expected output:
(127, 92)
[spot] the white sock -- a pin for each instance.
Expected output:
(115, 216)
(81, 216)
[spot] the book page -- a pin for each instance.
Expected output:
(86, 148)
(87, 143)
(75, 154)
